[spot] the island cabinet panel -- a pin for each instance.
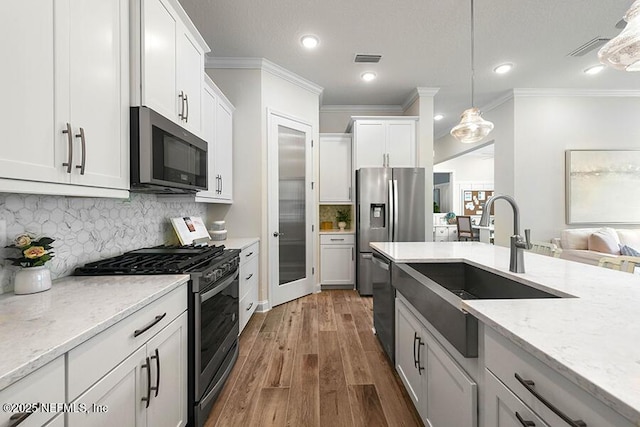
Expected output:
(532, 382)
(504, 409)
(443, 393)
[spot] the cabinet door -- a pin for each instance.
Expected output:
(408, 353)
(57, 421)
(209, 105)
(337, 264)
(451, 396)
(121, 391)
(224, 149)
(30, 147)
(190, 66)
(335, 169)
(159, 58)
(99, 92)
(401, 143)
(503, 408)
(370, 144)
(167, 352)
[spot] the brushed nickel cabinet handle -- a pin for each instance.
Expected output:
(70, 143)
(84, 151)
(181, 113)
(186, 100)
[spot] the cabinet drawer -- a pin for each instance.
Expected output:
(337, 239)
(505, 360)
(91, 360)
(248, 275)
(46, 385)
(248, 304)
(503, 408)
(249, 253)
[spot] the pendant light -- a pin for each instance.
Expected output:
(623, 51)
(472, 127)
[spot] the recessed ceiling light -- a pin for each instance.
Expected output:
(503, 68)
(310, 42)
(438, 117)
(368, 76)
(594, 69)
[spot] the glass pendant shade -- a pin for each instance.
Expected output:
(472, 127)
(623, 51)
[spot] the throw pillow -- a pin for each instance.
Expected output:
(628, 251)
(605, 240)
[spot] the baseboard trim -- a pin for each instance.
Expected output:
(263, 306)
(329, 287)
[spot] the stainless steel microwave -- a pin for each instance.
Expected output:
(165, 158)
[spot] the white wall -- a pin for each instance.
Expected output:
(546, 126)
(252, 92)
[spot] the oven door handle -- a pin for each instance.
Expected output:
(220, 287)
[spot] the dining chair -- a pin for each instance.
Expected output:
(465, 228)
(544, 248)
(621, 263)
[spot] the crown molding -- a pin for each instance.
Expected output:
(417, 92)
(577, 92)
(354, 109)
(509, 95)
(263, 65)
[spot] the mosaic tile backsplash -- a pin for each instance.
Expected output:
(87, 229)
(328, 213)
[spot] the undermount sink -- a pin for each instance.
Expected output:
(469, 282)
(436, 291)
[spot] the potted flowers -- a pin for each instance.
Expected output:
(34, 276)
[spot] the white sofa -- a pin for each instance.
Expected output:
(577, 244)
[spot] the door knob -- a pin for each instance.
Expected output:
(277, 234)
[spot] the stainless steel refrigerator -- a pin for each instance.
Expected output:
(389, 208)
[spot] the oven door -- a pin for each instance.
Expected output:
(216, 328)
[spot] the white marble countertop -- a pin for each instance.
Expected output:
(37, 328)
(238, 242)
(592, 339)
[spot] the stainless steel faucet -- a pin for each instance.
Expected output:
(516, 262)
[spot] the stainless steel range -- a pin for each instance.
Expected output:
(212, 310)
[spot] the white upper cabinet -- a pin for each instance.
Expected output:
(168, 62)
(335, 168)
(67, 121)
(384, 141)
(217, 130)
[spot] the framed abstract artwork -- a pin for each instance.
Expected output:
(602, 186)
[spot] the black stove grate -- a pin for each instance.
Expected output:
(156, 260)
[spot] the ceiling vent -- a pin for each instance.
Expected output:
(589, 46)
(368, 58)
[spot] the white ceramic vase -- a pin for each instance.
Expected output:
(31, 280)
(342, 225)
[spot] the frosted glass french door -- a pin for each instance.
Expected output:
(290, 209)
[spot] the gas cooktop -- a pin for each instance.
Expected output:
(156, 260)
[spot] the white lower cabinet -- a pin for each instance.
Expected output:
(445, 233)
(337, 259)
(441, 390)
(548, 396)
(249, 282)
(504, 409)
(135, 372)
(44, 386)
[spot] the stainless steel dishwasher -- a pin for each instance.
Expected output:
(384, 316)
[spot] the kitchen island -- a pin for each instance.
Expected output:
(589, 336)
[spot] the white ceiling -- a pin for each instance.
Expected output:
(423, 43)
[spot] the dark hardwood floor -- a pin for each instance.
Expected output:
(313, 362)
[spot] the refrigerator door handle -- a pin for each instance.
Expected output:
(391, 213)
(396, 207)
